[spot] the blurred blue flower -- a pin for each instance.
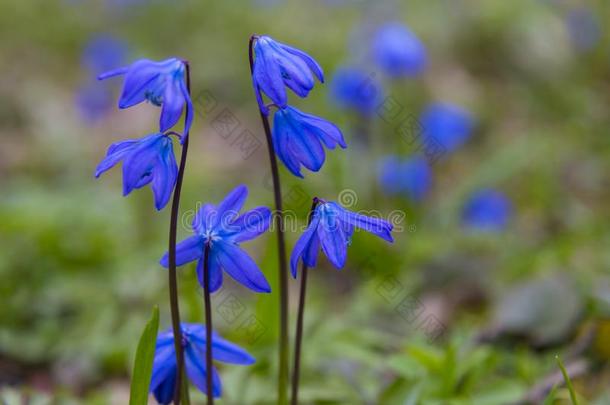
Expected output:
(160, 83)
(331, 228)
(93, 101)
(354, 88)
(103, 52)
(147, 160)
(446, 124)
(223, 228)
(398, 51)
(278, 65)
(584, 28)
(298, 139)
(412, 177)
(487, 210)
(163, 379)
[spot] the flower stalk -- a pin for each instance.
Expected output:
(208, 323)
(283, 269)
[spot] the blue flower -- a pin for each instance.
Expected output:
(584, 28)
(412, 177)
(487, 210)
(93, 101)
(147, 160)
(163, 379)
(353, 88)
(223, 229)
(298, 138)
(278, 65)
(103, 52)
(446, 124)
(331, 228)
(398, 51)
(160, 83)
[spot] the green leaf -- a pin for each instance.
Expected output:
(566, 377)
(145, 354)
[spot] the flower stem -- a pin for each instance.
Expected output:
(208, 324)
(283, 269)
(173, 283)
(301, 314)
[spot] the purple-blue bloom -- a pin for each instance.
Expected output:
(223, 228)
(398, 51)
(298, 138)
(278, 65)
(331, 228)
(103, 52)
(160, 83)
(354, 88)
(163, 379)
(149, 160)
(411, 177)
(93, 101)
(446, 124)
(487, 210)
(584, 28)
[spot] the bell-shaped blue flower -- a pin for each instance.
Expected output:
(446, 124)
(487, 210)
(278, 66)
(163, 380)
(411, 177)
(355, 89)
(398, 51)
(223, 228)
(149, 160)
(298, 138)
(160, 83)
(331, 228)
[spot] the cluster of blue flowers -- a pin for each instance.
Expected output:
(298, 140)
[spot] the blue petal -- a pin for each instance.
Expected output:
(113, 73)
(205, 218)
(173, 104)
(196, 371)
(188, 121)
(376, 226)
(222, 350)
(249, 225)
(139, 77)
(228, 209)
(187, 251)
(165, 174)
(116, 152)
(140, 162)
(215, 272)
(313, 65)
(328, 132)
(303, 243)
(332, 238)
(240, 266)
(281, 138)
(295, 73)
(164, 392)
(267, 73)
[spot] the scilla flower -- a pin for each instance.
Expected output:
(446, 124)
(487, 210)
(298, 138)
(331, 229)
(356, 89)
(278, 65)
(163, 381)
(411, 177)
(149, 160)
(223, 229)
(160, 83)
(398, 51)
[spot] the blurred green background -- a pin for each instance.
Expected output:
(445, 315)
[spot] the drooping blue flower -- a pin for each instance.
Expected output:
(93, 101)
(446, 124)
(163, 379)
(331, 228)
(411, 177)
(278, 65)
(584, 28)
(160, 83)
(487, 210)
(398, 51)
(298, 138)
(103, 52)
(149, 160)
(355, 89)
(224, 229)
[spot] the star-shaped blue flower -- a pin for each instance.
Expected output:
(149, 160)
(278, 65)
(160, 83)
(223, 229)
(298, 138)
(163, 379)
(331, 228)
